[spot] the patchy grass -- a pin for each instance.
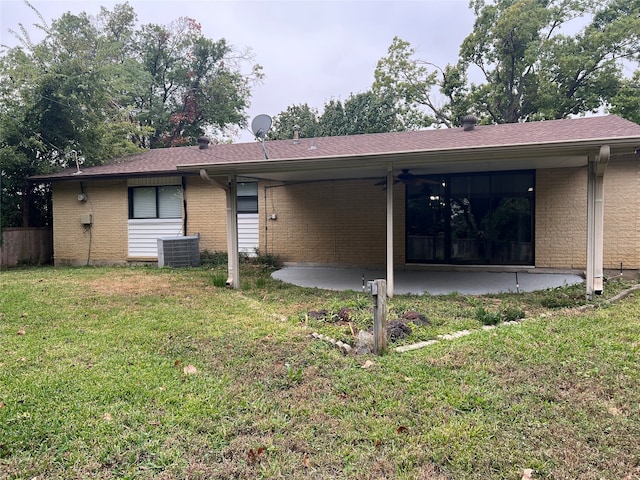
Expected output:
(145, 373)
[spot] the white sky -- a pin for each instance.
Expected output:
(311, 50)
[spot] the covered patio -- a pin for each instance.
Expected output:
(581, 145)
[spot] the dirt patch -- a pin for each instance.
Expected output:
(133, 285)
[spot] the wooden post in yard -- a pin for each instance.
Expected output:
(380, 318)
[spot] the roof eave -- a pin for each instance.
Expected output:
(74, 177)
(450, 155)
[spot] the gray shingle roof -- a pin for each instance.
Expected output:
(550, 132)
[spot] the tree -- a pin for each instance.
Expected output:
(333, 121)
(626, 102)
(529, 68)
(365, 112)
(96, 88)
(409, 81)
(303, 117)
(368, 112)
(60, 103)
(194, 84)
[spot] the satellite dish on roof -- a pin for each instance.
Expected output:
(261, 125)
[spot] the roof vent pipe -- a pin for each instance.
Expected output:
(203, 142)
(469, 122)
(296, 134)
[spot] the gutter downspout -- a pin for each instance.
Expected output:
(233, 261)
(185, 220)
(390, 279)
(595, 221)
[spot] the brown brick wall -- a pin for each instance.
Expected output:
(107, 202)
(206, 214)
(561, 216)
(344, 222)
(622, 213)
(332, 222)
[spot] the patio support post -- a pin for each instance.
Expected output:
(390, 281)
(230, 189)
(595, 220)
(233, 260)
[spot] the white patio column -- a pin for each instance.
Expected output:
(595, 220)
(231, 195)
(233, 260)
(390, 281)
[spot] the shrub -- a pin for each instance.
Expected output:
(486, 317)
(506, 314)
(268, 260)
(215, 259)
(510, 314)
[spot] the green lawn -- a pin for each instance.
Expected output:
(146, 373)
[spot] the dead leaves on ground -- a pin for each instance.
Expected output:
(190, 370)
(400, 430)
(254, 456)
(527, 474)
(187, 370)
(368, 364)
(257, 455)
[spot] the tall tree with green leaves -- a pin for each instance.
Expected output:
(368, 112)
(301, 117)
(529, 66)
(333, 120)
(364, 112)
(626, 102)
(59, 104)
(96, 88)
(194, 85)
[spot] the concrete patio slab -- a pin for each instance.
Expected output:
(426, 282)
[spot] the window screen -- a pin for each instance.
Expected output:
(170, 202)
(247, 197)
(155, 202)
(144, 202)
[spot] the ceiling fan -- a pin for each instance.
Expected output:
(406, 177)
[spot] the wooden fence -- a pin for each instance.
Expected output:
(26, 246)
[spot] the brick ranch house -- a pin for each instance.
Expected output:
(559, 194)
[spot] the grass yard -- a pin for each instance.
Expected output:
(144, 373)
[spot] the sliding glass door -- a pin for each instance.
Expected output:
(473, 219)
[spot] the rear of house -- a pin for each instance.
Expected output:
(534, 218)
(458, 199)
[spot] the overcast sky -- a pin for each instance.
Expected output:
(311, 51)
